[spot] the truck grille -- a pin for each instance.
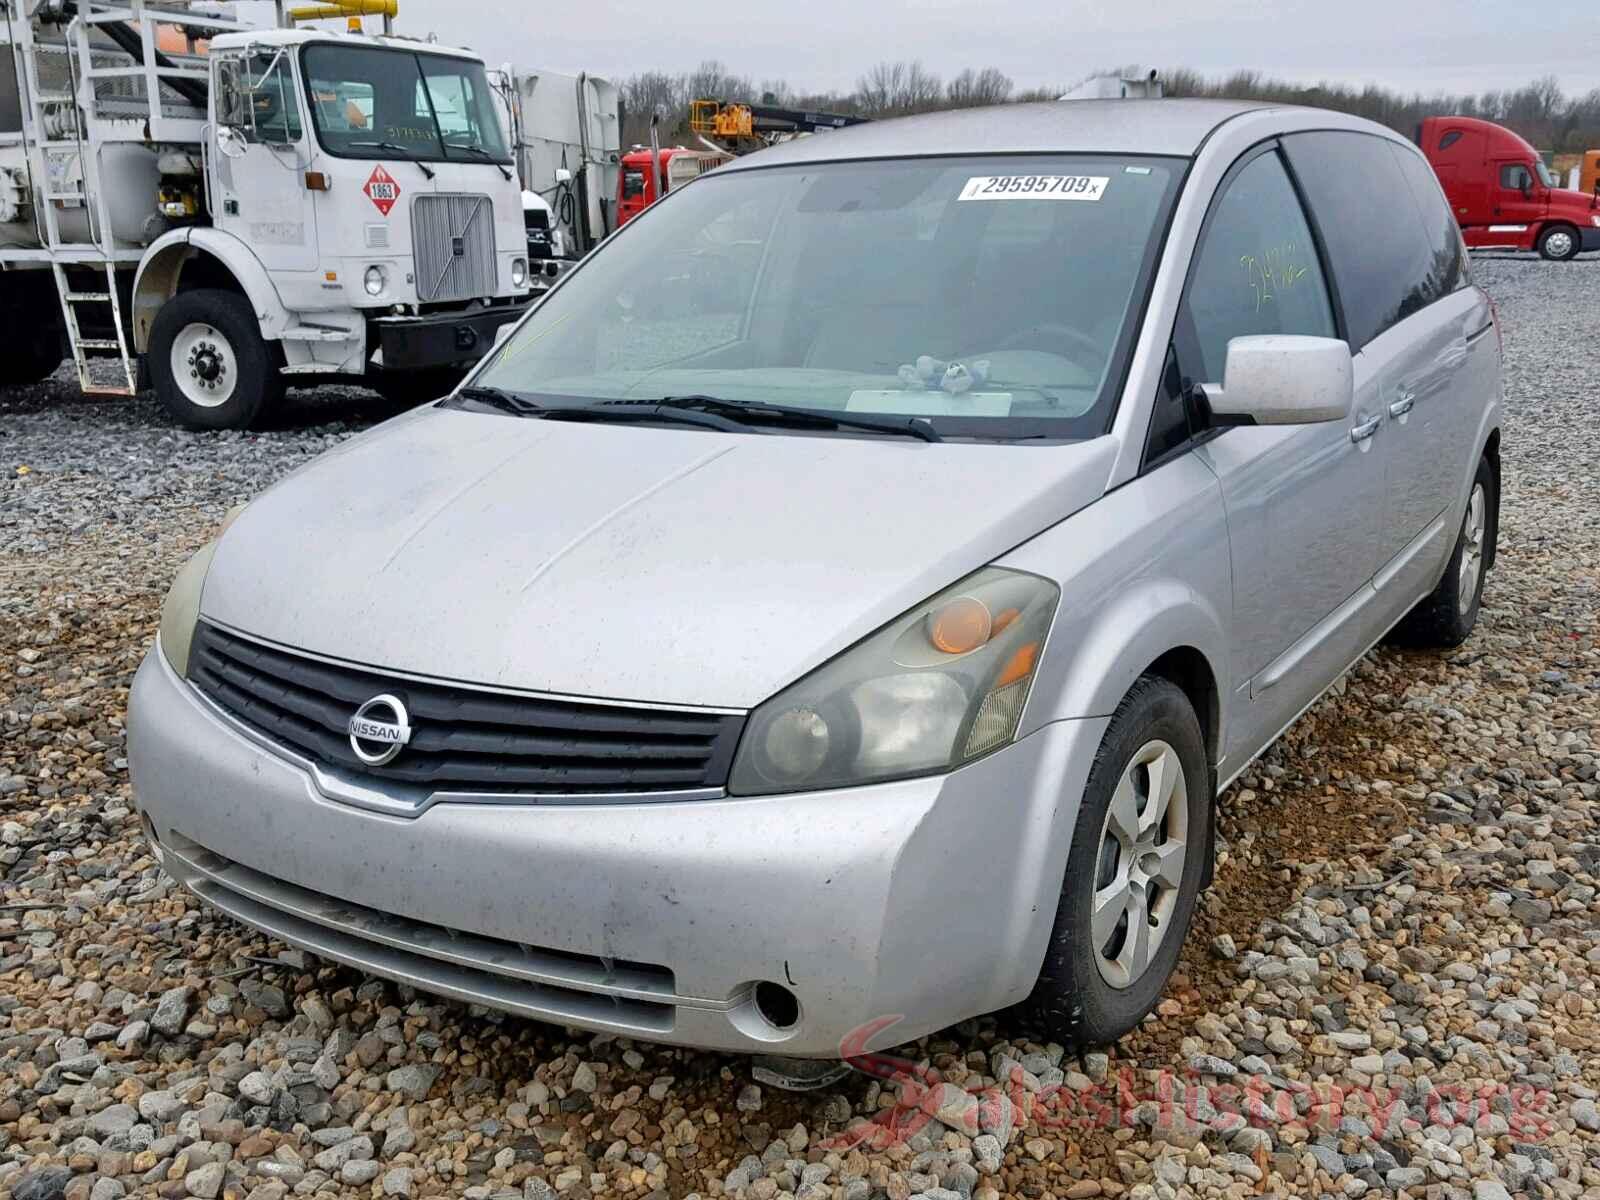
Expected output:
(464, 739)
(453, 240)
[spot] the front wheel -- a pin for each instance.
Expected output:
(211, 367)
(1558, 242)
(1137, 859)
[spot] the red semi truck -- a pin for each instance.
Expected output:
(1503, 194)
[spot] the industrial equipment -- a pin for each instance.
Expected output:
(219, 207)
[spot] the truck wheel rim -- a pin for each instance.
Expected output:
(1139, 873)
(1559, 243)
(1472, 528)
(204, 366)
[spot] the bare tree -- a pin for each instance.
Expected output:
(973, 89)
(893, 89)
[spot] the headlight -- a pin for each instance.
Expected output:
(181, 609)
(375, 280)
(519, 272)
(931, 690)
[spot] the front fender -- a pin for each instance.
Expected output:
(163, 263)
(1145, 571)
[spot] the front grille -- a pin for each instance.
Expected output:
(453, 240)
(464, 739)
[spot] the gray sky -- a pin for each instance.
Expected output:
(1413, 45)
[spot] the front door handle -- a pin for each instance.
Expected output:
(1366, 429)
(1403, 405)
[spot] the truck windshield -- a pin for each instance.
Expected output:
(995, 297)
(380, 102)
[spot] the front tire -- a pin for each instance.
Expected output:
(1134, 870)
(1447, 615)
(211, 367)
(1559, 242)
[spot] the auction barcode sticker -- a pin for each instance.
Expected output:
(1034, 187)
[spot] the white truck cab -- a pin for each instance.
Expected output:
(349, 207)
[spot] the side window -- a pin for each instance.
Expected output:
(1256, 271)
(258, 96)
(1515, 177)
(1445, 272)
(1381, 257)
(1450, 139)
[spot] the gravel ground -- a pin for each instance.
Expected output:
(1392, 986)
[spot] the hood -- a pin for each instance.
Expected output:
(675, 566)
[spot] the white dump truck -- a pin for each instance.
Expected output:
(219, 208)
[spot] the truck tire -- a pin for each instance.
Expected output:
(31, 313)
(1134, 870)
(211, 367)
(1558, 242)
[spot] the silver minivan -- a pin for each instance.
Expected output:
(837, 606)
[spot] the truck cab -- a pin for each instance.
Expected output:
(636, 186)
(1502, 193)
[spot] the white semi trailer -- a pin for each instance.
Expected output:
(566, 131)
(220, 208)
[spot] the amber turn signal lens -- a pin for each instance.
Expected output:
(1020, 666)
(960, 626)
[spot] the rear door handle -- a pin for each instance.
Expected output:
(1403, 405)
(1366, 429)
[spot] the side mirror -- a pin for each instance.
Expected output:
(1284, 379)
(231, 142)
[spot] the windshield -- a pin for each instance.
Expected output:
(375, 102)
(993, 296)
(1545, 177)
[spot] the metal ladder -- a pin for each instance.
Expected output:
(65, 171)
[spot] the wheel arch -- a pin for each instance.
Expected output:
(191, 258)
(1491, 452)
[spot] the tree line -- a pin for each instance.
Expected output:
(1540, 111)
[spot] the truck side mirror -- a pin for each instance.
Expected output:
(231, 142)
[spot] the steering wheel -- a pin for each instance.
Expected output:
(1033, 334)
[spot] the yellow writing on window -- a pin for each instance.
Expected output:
(1277, 270)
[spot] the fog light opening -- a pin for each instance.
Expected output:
(777, 1005)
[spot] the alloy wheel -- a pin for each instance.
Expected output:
(1139, 871)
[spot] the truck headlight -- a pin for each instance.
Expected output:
(180, 611)
(935, 688)
(376, 280)
(519, 272)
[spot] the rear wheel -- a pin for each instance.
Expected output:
(1558, 242)
(1447, 616)
(31, 315)
(33, 356)
(1133, 872)
(211, 367)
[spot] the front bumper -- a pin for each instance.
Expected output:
(441, 339)
(1589, 238)
(928, 899)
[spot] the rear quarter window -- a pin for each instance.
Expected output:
(1380, 253)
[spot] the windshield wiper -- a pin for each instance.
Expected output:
(498, 398)
(619, 412)
(745, 411)
(481, 153)
(392, 148)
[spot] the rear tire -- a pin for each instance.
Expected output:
(211, 367)
(1559, 242)
(31, 313)
(1447, 615)
(1098, 981)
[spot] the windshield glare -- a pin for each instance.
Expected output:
(374, 102)
(991, 295)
